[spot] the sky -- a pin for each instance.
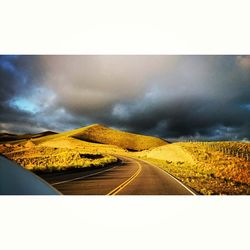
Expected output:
(172, 97)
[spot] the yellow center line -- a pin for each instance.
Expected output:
(125, 183)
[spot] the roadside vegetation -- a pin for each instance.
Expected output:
(216, 167)
(48, 159)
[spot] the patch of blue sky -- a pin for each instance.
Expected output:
(24, 105)
(33, 99)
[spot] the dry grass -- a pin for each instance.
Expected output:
(170, 152)
(48, 159)
(204, 167)
(223, 165)
(100, 134)
(130, 141)
(72, 143)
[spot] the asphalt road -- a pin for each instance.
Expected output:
(129, 177)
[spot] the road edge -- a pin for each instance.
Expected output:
(191, 190)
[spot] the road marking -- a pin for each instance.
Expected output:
(125, 183)
(172, 177)
(82, 177)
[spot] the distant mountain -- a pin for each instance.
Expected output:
(6, 137)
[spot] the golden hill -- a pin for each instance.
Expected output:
(100, 134)
(171, 153)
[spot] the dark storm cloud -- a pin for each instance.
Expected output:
(166, 96)
(25, 104)
(205, 96)
(13, 83)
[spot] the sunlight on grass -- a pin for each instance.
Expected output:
(215, 168)
(48, 159)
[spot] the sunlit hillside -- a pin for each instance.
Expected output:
(100, 134)
(135, 142)
(65, 150)
(64, 154)
(51, 151)
(171, 152)
(207, 167)
(89, 147)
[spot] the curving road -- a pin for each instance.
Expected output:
(129, 177)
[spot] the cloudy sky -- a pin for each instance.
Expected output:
(173, 97)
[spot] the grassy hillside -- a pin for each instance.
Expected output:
(59, 136)
(58, 154)
(207, 167)
(51, 152)
(73, 143)
(171, 153)
(47, 159)
(101, 134)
